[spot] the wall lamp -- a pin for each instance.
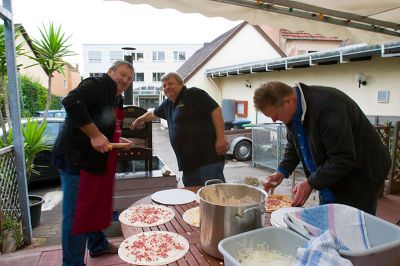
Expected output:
(248, 84)
(361, 79)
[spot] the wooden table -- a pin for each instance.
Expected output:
(195, 256)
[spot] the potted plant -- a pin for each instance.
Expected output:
(34, 142)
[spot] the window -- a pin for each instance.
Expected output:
(138, 56)
(241, 108)
(158, 56)
(139, 77)
(95, 75)
(94, 56)
(383, 96)
(116, 55)
(157, 76)
(65, 84)
(179, 56)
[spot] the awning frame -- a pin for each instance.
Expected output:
(311, 12)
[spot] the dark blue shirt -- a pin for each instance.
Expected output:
(191, 129)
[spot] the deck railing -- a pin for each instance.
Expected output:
(9, 200)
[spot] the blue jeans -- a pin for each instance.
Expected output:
(199, 176)
(74, 246)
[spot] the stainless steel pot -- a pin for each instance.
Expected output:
(226, 210)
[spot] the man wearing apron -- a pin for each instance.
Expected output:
(87, 163)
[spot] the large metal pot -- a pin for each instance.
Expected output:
(226, 210)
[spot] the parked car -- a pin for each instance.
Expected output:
(42, 160)
(53, 113)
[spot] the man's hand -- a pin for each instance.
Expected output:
(272, 181)
(100, 143)
(301, 192)
(137, 124)
(221, 146)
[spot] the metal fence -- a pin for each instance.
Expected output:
(9, 200)
(268, 144)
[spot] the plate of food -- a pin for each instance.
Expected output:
(192, 216)
(277, 201)
(146, 215)
(153, 248)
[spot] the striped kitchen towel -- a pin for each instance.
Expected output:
(321, 251)
(345, 223)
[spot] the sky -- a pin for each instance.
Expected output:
(115, 22)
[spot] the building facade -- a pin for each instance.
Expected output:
(150, 61)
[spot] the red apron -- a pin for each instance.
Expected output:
(94, 203)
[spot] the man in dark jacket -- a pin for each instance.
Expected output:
(196, 130)
(87, 162)
(342, 154)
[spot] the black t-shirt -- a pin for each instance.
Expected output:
(191, 129)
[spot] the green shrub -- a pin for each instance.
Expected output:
(34, 97)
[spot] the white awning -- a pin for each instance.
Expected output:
(368, 21)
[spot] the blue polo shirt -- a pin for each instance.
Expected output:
(191, 129)
(302, 139)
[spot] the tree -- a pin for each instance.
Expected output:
(49, 52)
(3, 74)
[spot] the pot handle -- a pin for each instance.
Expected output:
(256, 210)
(213, 181)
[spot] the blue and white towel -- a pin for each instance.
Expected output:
(333, 227)
(321, 251)
(346, 223)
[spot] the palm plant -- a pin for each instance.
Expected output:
(49, 52)
(3, 74)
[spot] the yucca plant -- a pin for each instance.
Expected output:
(49, 52)
(34, 142)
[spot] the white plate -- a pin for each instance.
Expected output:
(192, 216)
(174, 196)
(277, 216)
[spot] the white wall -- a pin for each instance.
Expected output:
(246, 46)
(381, 74)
